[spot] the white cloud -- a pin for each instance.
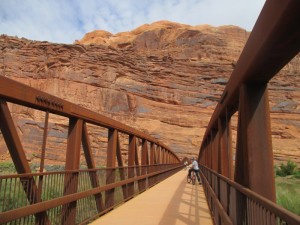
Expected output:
(64, 21)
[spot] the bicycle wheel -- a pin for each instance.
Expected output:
(193, 179)
(188, 179)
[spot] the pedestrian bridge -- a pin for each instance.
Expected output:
(239, 191)
(172, 201)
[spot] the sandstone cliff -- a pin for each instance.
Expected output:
(164, 78)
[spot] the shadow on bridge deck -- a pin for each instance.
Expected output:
(171, 202)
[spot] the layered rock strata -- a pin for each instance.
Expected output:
(164, 79)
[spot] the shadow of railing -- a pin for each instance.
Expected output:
(188, 206)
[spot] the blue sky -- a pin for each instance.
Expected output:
(64, 21)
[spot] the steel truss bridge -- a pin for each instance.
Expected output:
(235, 194)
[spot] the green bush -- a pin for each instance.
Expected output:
(286, 169)
(297, 174)
(7, 168)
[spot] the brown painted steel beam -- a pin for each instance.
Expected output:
(274, 41)
(167, 157)
(21, 94)
(225, 149)
(119, 153)
(205, 150)
(152, 162)
(41, 219)
(158, 151)
(12, 139)
(74, 144)
(45, 134)
(121, 169)
(144, 162)
(136, 156)
(91, 165)
(111, 163)
(72, 163)
(86, 144)
(254, 148)
(152, 154)
(138, 168)
(163, 155)
(131, 164)
(18, 156)
(209, 151)
(215, 150)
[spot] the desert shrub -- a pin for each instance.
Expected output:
(286, 169)
(7, 168)
(297, 174)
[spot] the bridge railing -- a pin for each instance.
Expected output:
(274, 41)
(62, 197)
(15, 206)
(230, 202)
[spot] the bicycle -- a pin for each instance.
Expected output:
(192, 178)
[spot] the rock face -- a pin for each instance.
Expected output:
(164, 78)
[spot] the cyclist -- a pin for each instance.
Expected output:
(195, 168)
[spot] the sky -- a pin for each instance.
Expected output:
(64, 21)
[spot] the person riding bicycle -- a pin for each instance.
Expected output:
(195, 168)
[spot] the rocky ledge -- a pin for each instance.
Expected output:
(164, 78)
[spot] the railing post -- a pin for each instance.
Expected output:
(225, 149)
(152, 162)
(40, 219)
(206, 150)
(202, 156)
(206, 154)
(72, 163)
(254, 145)
(131, 160)
(111, 165)
(237, 206)
(215, 150)
(138, 165)
(254, 148)
(144, 162)
(155, 154)
(158, 155)
(121, 167)
(209, 157)
(166, 156)
(162, 150)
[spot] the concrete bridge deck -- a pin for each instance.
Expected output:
(172, 202)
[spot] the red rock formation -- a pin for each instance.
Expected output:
(164, 78)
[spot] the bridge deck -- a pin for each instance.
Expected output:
(171, 202)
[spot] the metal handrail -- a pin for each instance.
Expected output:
(143, 170)
(24, 211)
(21, 94)
(270, 208)
(273, 42)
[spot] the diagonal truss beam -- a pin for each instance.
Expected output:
(18, 156)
